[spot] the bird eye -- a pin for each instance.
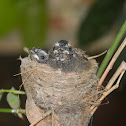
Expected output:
(42, 57)
(70, 49)
(53, 48)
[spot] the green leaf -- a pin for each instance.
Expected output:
(1, 94)
(13, 100)
(99, 19)
(33, 22)
(112, 49)
(8, 16)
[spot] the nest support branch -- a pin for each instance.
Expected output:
(109, 88)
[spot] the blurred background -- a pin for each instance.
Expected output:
(88, 24)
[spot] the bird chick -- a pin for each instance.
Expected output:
(38, 54)
(60, 54)
(80, 60)
(67, 58)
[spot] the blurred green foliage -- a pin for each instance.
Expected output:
(30, 16)
(99, 19)
(1, 94)
(33, 22)
(8, 16)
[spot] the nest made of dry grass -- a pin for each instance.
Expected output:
(68, 94)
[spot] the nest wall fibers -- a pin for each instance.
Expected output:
(67, 95)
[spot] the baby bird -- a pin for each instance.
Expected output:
(60, 55)
(38, 54)
(63, 56)
(80, 60)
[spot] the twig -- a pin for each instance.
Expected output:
(41, 118)
(23, 83)
(25, 80)
(26, 71)
(111, 50)
(22, 111)
(12, 91)
(115, 76)
(54, 121)
(112, 62)
(93, 57)
(26, 49)
(108, 92)
(121, 70)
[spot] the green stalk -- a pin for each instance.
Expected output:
(12, 91)
(22, 111)
(111, 50)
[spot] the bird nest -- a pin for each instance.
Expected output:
(67, 95)
(61, 85)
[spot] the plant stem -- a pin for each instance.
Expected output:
(111, 50)
(22, 111)
(12, 91)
